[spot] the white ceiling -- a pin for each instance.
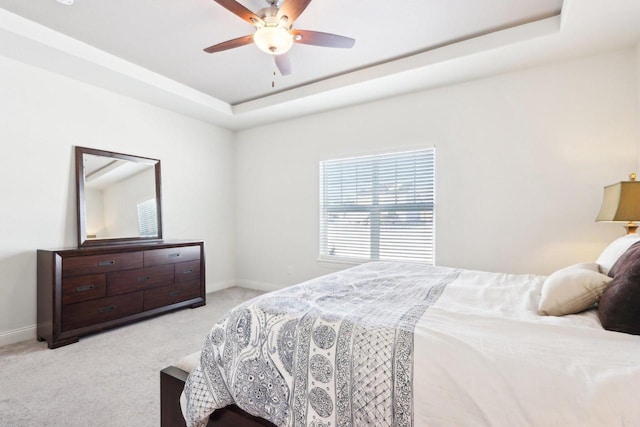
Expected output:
(152, 49)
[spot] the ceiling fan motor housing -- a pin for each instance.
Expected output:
(269, 15)
(275, 3)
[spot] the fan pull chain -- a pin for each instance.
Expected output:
(273, 82)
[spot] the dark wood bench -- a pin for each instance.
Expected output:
(172, 382)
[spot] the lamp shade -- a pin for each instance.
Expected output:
(621, 202)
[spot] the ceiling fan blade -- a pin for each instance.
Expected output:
(230, 44)
(283, 63)
(317, 38)
(236, 8)
(292, 9)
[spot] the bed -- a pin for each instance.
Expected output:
(405, 344)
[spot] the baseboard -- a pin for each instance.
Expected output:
(259, 286)
(17, 335)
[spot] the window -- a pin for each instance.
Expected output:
(147, 219)
(378, 207)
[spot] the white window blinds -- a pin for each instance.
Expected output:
(378, 207)
(147, 218)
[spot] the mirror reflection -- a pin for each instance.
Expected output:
(118, 197)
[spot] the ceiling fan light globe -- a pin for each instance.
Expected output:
(273, 40)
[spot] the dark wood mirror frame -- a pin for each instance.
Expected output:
(81, 199)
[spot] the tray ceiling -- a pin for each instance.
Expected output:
(167, 36)
(152, 49)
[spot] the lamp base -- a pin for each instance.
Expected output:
(631, 228)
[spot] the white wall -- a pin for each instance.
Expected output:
(638, 98)
(94, 211)
(521, 162)
(43, 116)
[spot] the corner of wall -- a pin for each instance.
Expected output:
(218, 286)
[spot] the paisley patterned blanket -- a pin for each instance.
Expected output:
(333, 351)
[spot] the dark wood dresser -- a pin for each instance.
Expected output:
(85, 290)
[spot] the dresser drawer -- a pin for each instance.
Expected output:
(186, 271)
(120, 282)
(83, 288)
(75, 266)
(171, 255)
(101, 310)
(166, 295)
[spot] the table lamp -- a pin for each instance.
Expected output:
(621, 203)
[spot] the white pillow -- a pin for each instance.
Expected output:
(611, 253)
(572, 290)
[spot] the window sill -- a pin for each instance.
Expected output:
(342, 261)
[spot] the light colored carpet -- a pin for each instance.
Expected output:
(107, 379)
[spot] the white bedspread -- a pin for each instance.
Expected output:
(484, 357)
(480, 356)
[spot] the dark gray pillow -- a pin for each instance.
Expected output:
(630, 257)
(619, 307)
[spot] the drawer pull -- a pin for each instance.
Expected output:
(106, 309)
(84, 288)
(106, 263)
(187, 271)
(174, 255)
(143, 279)
(174, 293)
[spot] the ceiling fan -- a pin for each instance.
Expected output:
(274, 34)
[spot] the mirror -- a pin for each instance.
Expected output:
(118, 198)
